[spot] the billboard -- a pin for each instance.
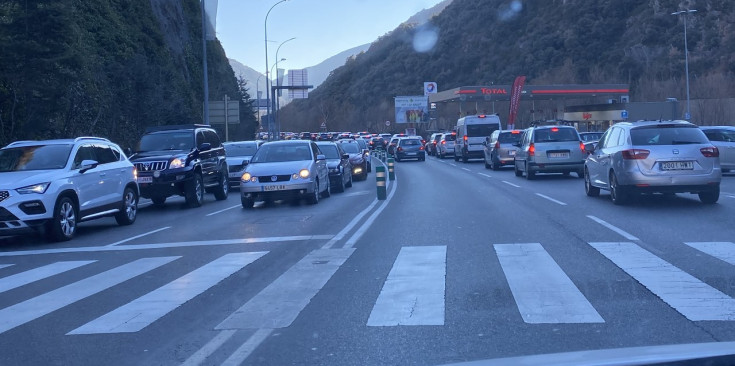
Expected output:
(412, 109)
(299, 77)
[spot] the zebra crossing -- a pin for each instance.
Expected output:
(412, 294)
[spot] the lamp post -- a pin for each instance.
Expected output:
(257, 99)
(272, 108)
(267, 84)
(688, 115)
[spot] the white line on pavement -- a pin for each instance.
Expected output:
(452, 164)
(413, 293)
(358, 234)
(353, 194)
(613, 228)
(724, 251)
(541, 289)
(208, 349)
(484, 175)
(349, 226)
(691, 297)
(511, 184)
(243, 352)
(138, 236)
(5, 265)
(39, 273)
(466, 169)
(274, 239)
(551, 199)
(223, 210)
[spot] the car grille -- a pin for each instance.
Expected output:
(5, 215)
(4, 195)
(269, 178)
(150, 166)
(235, 168)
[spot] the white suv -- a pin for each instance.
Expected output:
(52, 185)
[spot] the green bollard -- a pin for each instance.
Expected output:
(383, 156)
(380, 182)
(391, 169)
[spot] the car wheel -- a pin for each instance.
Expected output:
(518, 172)
(327, 192)
(158, 200)
(221, 191)
(464, 158)
(63, 224)
(487, 166)
(129, 210)
(495, 164)
(456, 158)
(580, 173)
(349, 183)
(313, 198)
(195, 191)
(617, 194)
(341, 185)
(589, 189)
(247, 203)
(529, 174)
(710, 197)
(369, 167)
(422, 159)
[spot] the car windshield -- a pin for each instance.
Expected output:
(480, 130)
(450, 137)
(350, 148)
(509, 137)
(329, 151)
(667, 135)
(159, 141)
(720, 135)
(38, 157)
(241, 149)
(276, 153)
(587, 137)
(410, 142)
(555, 134)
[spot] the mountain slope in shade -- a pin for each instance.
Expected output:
(251, 75)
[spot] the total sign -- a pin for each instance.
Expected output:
(430, 88)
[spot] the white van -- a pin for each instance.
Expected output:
(471, 133)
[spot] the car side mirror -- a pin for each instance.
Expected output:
(345, 156)
(321, 157)
(87, 165)
(205, 146)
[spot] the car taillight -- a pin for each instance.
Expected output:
(581, 146)
(444, 142)
(635, 154)
(710, 152)
(465, 137)
(421, 147)
(531, 150)
(400, 149)
(497, 144)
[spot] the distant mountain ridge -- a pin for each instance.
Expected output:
(250, 75)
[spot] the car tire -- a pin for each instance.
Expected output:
(517, 171)
(313, 198)
(370, 167)
(158, 200)
(456, 158)
(495, 165)
(710, 197)
(247, 203)
(529, 174)
(617, 194)
(422, 159)
(580, 173)
(129, 209)
(63, 223)
(464, 158)
(589, 189)
(327, 192)
(221, 191)
(195, 191)
(349, 183)
(341, 186)
(487, 166)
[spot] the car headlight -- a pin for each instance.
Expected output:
(177, 163)
(39, 188)
(304, 173)
(246, 177)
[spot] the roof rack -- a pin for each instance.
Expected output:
(91, 138)
(175, 127)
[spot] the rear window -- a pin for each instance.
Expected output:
(667, 135)
(481, 130)
(555, 135)
(410, 142)
(451, 137)
(329, 151)
(350, 147)
(509, 138)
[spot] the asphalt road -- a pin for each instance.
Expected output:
(460, 263)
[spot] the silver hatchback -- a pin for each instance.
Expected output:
(653, 157)
(549, 149)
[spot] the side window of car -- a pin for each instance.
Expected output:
(212, 138)
(116, 151)
(315, 150)
(622, 138)
(200, 139)
(104, 154)
(603, 139)
(612, 140)
(85, 152)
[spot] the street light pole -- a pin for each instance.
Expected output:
(272, 108)
(205, 105)
(267, 85)
(688, 115)
(276, 103)
(257, 99)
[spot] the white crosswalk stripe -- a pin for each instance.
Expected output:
(36, 274)
(724, 251)
(41, 305)
(691, 297)
(144, 310)
(5, 265)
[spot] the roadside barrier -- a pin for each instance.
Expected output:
(391, 169)
(380, 182)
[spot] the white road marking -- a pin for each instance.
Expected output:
(36, 274)
(353, 194)
(541, 289)
(620, 231)
(484, 175)
(724, 251)
(243, 352)
(205, 243)
(208, 349)
(369, 222)
(5, 265)
(413, 293)
(688, 295)
(441, 161)
(278, 305)
(466, 169)
(223, 210)
(138, 236)
(452, 164)
(511, 184)
(41, 305)
(551, 199)
(349, 226)
(145, 310)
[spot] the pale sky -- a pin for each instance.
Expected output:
(322, 28)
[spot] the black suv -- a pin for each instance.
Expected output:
(181, 160)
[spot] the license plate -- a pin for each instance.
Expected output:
(279, 187)
(235, 175)
(145, 179)
(559, 155)
(677, 165)
(512, 152)
(410, 153)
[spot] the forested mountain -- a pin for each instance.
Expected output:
(70, 68)
(549, 41)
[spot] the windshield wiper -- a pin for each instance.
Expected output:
(677, 142)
